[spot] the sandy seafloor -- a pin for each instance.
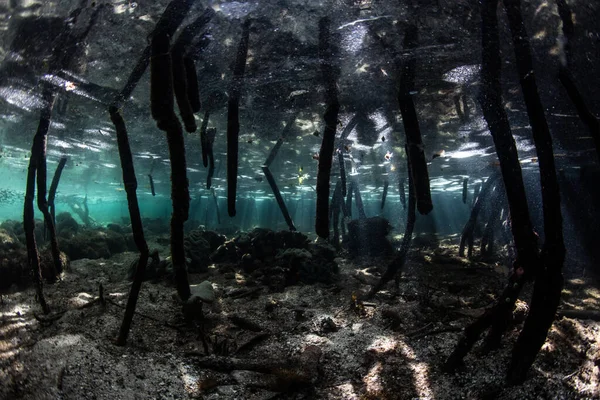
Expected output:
(307, 342)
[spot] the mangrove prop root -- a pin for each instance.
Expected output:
(495, 211)
(151, 185)
(525, 238)
(415, 150)
(161, 81)
(342, 171)
(136, 220)
(168, 23)
(347, 130)
(497, 120)
(359, 203)
(331, 118)
(168, 122)
(384, 194)
(28, 213)
(475, 193)
(349, 200)
(41, 185)
(166, 26)
(402, 193)
(193, 89)
(269, 175)
(185, 78)
(180, 88)
(66, 45)
(214, 196)
(503, 306)
(54, 186)
(549, 280)
(233, 118)
(203, 142)
(210, 138)
(337, 203)
(464, 191)
(396, 265)
(278, 197)
(467, 232)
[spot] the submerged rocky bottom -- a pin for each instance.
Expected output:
(303, 339)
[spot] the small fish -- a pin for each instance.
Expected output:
(258, 178)
(534, 160)
(388, 156)
(383, 138)
(437, 154)
(250, 141)
(348, 148)
(315, 156)
(300, 169)
(340, 123)
(316, 133)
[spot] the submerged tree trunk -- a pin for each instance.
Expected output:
(130, 183)
(414, 143)
(162, 104)
(549, 279)
(331, 121)
(525, 238)
(169, 22)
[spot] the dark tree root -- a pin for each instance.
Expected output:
(216, 202)
(402, 192)
(203, 139)
(469, 228)
(166, 27)
(396, 265)
(358, 199)
(66, 45)
(185, 81)
(151, 185)
(549, 280)
(278, 197)
(161, 90)
(233, 118)
(210, 139)
(136, 221)
(54, 186)
(336, 207)
(168, 23)
(331, 121)
(414, 143)
(384, 194)
(271, 179)
(349, 199)
(547, 274)
(585, 114)
(342, 164)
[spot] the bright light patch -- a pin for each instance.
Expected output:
(352, 42)
(420, 371)
(382, 344)
(21, 99)
(463, 74)
(372, 380)
(60, 143)
(190, 379)
(57, 125)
